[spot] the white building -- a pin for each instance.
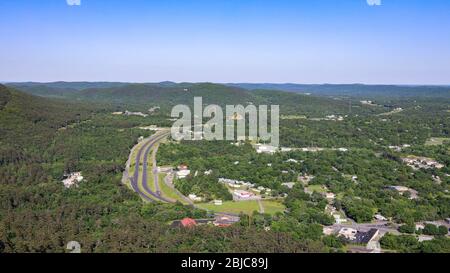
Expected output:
(289, 185)
(218, 202)
(72, 179)
(128, 113)
(328, 231)
(291, 161)
(330, 195)
(195, 198)
(244, 195)
(265, 149)
(380, 217)
(349, 233)
(183, 174)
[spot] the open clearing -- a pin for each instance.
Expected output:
(293, 117)
(435, 141)
(247, 207)
(395, 111)
(317, 188)
(168, 192)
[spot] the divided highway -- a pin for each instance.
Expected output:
(147, 193)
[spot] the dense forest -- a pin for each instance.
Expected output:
(66, 128)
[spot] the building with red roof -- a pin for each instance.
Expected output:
(188, 222)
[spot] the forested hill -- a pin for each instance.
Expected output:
(170, 95)
(354, 90)
(143, 96)
(30, 122)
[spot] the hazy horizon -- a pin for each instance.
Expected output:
(403, 42)
(225, 83)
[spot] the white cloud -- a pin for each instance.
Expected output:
(73, 2)
(374, 2)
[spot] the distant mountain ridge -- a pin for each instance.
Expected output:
(353, 90)
(60, 89)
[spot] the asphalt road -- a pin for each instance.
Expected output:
(134, 180)
(157, 194)
(382, 226)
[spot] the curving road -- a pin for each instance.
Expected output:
(134, 180)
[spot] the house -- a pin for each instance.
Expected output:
(289, 185)
(188, 222)
(243, 194)
(447, 220)
(218, 202)
(291, 161)
(236, 186)
(400, 188)
(140, 114)
(266, 149)
(182, 174)
(380, 217)
(305, 179)
(195, 198)
(348, 233)
(72, 179)
(420, 226)
(225, 220)
(367, 102)
(327, 231)
(330, 195)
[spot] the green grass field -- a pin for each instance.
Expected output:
(272, 207)
(435, 141)
(167, 191)
(317, 188)
(247, 207)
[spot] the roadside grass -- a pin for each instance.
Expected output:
(168, 192)
(317, 188)
(272, 207)
(435, 141)
(133, 158)
(246, 207)
(150, 183)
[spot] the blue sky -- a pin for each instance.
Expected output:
(316, 41)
